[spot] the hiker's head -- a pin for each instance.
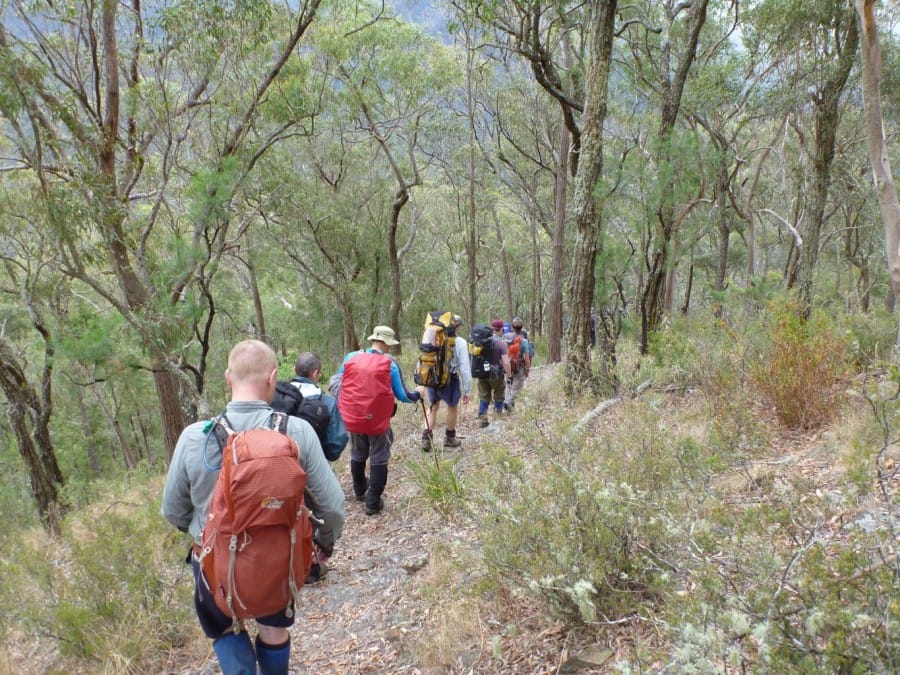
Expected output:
(457, 319)
(517, 324)
(384, 335)
(497, 325)
(308, 365)
(252, 371)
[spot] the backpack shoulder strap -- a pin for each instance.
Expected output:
(279, 422)
(219, 428)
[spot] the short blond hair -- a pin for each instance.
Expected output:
(251, 361)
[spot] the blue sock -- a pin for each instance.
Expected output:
(273, 659)
(235, 654)
(482, 407)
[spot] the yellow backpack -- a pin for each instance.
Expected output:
(436, 350)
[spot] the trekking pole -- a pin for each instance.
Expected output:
(430, 433)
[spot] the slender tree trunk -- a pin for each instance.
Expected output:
(261, 332)
(505, 267)
(400, 200)
(579, 376)
(654, 295)
(535, 310)
(879, 157)
(560, 192)
(471, 211)
(827, 116)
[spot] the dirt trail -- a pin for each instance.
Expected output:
(367, 615)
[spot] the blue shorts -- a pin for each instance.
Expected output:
(216, 623)
(451, 394)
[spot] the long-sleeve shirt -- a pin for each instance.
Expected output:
(194, 469)
(461, 365)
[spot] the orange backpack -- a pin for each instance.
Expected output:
(516, 358)
(257, 543)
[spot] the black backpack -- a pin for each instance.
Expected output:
(313, 409)
(481, 347)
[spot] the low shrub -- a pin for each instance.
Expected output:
(110, 593)
(800, 369)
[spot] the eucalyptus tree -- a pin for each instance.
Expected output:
(879, 157)
(389, 80)
(586, 204)
(549, 38)
(818, 43)
(663, 40)
(725, 103)
(323, 222)
(29, 289)
(510, 162)
(109, 106)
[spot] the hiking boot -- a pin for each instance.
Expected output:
(426, 441)
(483, 421)
(451, 441)
(360, 498)
(372, 510)
(316, 573)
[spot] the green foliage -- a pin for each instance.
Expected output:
(438, 479)
(801, 368)
(560, 527)
(870, 336)
(806, 600)
(113, 587)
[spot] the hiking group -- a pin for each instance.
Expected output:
(255, 489)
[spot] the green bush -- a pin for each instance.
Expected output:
(112, 590)
(556, 527)
(801, 368)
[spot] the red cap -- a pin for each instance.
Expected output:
(497, 324)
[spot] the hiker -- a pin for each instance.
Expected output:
(251, 376)
(493, 388)
(370, 380)
(458, 387)
(519, 350)
(302, 397)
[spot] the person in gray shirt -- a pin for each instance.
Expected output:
(251, 376)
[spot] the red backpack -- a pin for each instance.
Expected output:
(257, 543)
(366, 399)
(516, 358)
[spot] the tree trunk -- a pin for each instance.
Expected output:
(879, 157)
(29, 416)
(654, 295)
(261, 332)
(471, 211)
(554, 342)
(400, 200)
(827, 116)
(504, 266)
(579, 376)
(536, 307)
